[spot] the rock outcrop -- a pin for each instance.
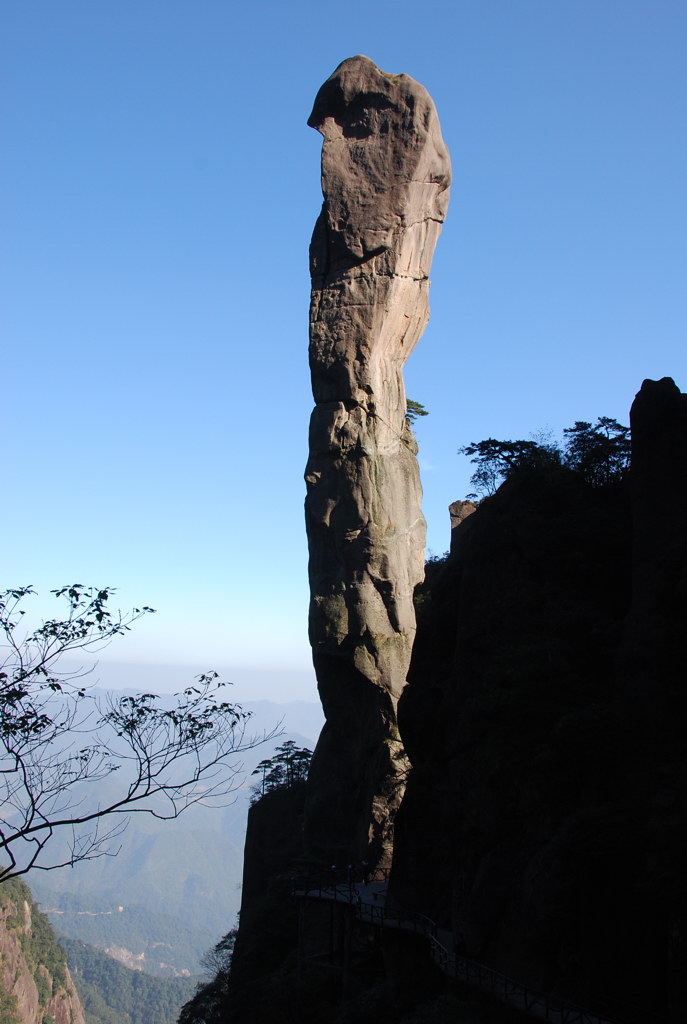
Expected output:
(459, 511)
(385, 178)
(35, 985)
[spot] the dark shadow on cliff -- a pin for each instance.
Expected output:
(544, 819)
(544, 720)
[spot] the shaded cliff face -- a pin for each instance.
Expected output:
(544, 819)
(35, 985)
(268, 930)
(385, 176)
(655, 639)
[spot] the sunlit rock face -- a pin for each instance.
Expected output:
(385, 178)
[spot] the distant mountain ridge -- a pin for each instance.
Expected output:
(247, 685)
(179, 881)
(113, 994)
(162, 945)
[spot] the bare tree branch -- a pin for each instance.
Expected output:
(63, 746)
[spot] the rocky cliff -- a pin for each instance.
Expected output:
(544, 819)
(543, 824)
(35, 985)
(542, 829)
(385, 178)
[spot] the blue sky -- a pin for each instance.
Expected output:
(158, 192)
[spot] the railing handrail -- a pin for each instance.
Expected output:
(487, 979)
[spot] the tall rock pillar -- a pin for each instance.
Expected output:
(385, 179)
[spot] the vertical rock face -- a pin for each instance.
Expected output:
(385, 178)
(654, 645)
(35, 985)
(545, 720)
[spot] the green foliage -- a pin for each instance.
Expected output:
(497, 460)
(8, 1006)
(413, 410)
(44, 957)
(113, 994)
(210, 997)
(59, 742)
(43, 987)
(600, 453)
(159, 937)
(286, 769)
(218, 959)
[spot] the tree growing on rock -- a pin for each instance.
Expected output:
(60, 741)
(286, 769)
(497, 460)
(414, 410)
(599, 452)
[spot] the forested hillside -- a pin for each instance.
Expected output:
(50, 979)
(112, 994)
(35, 986)
(163, 945)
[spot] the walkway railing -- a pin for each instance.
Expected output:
(368, 903)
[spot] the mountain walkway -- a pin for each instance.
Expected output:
(368, 900)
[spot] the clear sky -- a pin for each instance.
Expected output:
(157, 193)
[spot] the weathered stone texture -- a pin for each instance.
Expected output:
(385, 178)
(459, 511)
(18, 975)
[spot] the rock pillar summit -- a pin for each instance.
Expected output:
(385, 179)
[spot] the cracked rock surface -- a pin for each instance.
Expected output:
(385, 179)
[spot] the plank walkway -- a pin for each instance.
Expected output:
(369, 904)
